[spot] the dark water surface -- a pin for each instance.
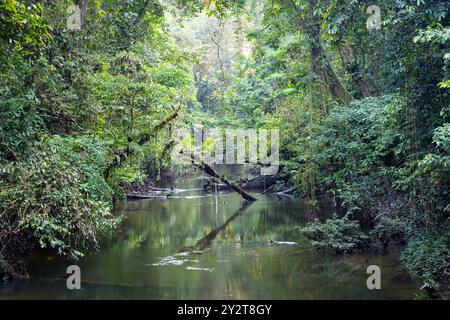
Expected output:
(242, 252)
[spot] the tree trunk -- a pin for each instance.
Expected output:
(83, 6)
(213, 173)
(319, 63)
(353, 69)
(122, 155)
(145, 138)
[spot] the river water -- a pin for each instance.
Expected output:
(195, 245)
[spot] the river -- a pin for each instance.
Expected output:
(201, 246)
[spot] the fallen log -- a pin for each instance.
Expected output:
(145, 196)
(288, 190)
(213, 173)
(261, 182)
(269, 189)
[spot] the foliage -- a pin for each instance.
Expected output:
(58, 196)
(382, 155)
(22, 29)
(389, 230)
(79, 112)
(339, 235)
(427, 257)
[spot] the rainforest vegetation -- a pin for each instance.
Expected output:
(363, 114)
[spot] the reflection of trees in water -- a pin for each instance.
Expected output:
(175, 224)
(206, 240)
(264, 223)
(169, 223)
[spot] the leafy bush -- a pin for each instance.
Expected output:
(25, 25)
(58, 196)
(338, 234)
(389, 230)
(427, 257)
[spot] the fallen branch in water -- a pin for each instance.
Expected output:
(213, 173)
(257, 182)
(269, 189)
(288, 190)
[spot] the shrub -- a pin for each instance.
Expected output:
(340, 235)
(389, 229)
(427, 257)
(56, 198)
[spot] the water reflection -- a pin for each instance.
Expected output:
(215, 247)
